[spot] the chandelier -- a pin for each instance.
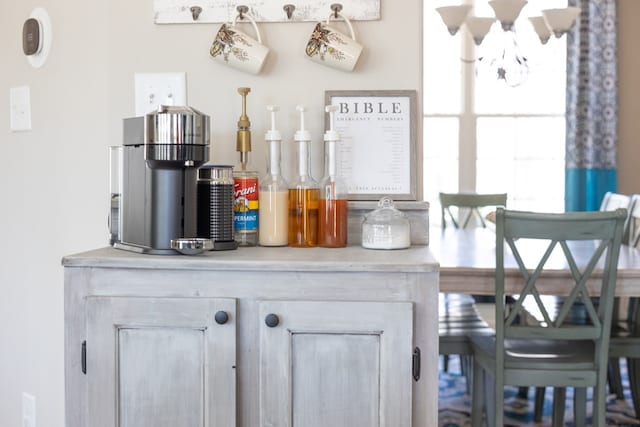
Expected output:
(507, 63)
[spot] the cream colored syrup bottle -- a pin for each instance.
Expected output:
(274, 192)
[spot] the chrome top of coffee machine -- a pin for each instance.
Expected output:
(161, 155)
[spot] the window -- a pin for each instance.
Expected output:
(481, 134)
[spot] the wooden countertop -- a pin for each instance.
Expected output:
(416, 259)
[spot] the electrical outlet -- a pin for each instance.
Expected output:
(28, 410)
(154, 89)
(20, 105)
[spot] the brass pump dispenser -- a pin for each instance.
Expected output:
(243, 138)
(246, 203)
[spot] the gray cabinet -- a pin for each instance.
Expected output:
(161, 362)
(339, 355)
(338, 364)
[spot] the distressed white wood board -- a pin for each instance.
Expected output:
(179, 11)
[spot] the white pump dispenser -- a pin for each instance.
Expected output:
(274, 192)
(273, 138)
(303, 137)
(304, 193)
(331, 136)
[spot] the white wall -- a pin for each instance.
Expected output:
(53, 179)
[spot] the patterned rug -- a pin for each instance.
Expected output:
(455, 405)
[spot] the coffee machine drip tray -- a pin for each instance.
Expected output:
(143, 249)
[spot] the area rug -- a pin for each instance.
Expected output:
(455, 405)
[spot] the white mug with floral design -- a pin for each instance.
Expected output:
(235, 48)
(330, 47)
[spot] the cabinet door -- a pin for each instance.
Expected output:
(338, 364)
(161, 362)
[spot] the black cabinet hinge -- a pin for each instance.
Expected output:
(83, 357)
(416, 363)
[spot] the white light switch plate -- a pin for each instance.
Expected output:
(20, 108)
(28, 410)
(154, 89)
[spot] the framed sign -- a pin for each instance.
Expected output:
(377, 152)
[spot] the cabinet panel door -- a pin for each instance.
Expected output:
(338, 364)
(161, 362)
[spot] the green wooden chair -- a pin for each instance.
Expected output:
(458, 316)
(458, 319)
(472, 203)
(555, 352)
(620, 328)
(610, 202)
(625, 336)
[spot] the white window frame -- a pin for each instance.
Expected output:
(467, 128)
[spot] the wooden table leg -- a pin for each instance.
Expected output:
(633, 368)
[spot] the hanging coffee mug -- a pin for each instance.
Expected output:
(237, 49)
(330, 47)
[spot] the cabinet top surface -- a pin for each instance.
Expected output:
(352, 258)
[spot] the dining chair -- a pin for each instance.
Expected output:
(610, 202)
(472, 203)
(458, 315)
(555, 352)
(619, 326)
(458, 319)
(625, 336)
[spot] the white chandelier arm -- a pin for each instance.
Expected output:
(454, 16)
(478, 27)
(507, 11)
(560, 20)
(541, 28)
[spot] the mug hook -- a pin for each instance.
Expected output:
(289, 8)
(242, 9)
(195, 12)
(336, 8)
(248, 16)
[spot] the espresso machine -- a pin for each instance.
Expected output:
(161, 154)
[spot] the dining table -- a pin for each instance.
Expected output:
(467, 260)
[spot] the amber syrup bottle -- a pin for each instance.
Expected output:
(303, 194)
(332, 225)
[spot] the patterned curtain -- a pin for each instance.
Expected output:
(592, 106)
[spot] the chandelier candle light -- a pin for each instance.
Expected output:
(510, 64)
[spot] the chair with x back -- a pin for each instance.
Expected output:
(610, 202)
(472, 203)
(555, 352)
(619, 327)
(625, 336)
(458, 313)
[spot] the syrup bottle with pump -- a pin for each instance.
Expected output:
(274, 192)
(332, 230)
(303, 193)
(245, 183)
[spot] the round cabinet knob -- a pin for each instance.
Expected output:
(221, 317)
(272, 320)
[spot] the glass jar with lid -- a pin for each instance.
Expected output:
(386, 227)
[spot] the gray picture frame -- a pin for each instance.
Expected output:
(366, 144)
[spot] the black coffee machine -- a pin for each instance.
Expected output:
(161, 155)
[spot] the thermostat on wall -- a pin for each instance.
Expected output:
(31, 37)
(37, 37)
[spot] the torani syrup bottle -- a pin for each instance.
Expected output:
(245, 183)
(303, 194)
(332, 230)
(274, 192)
